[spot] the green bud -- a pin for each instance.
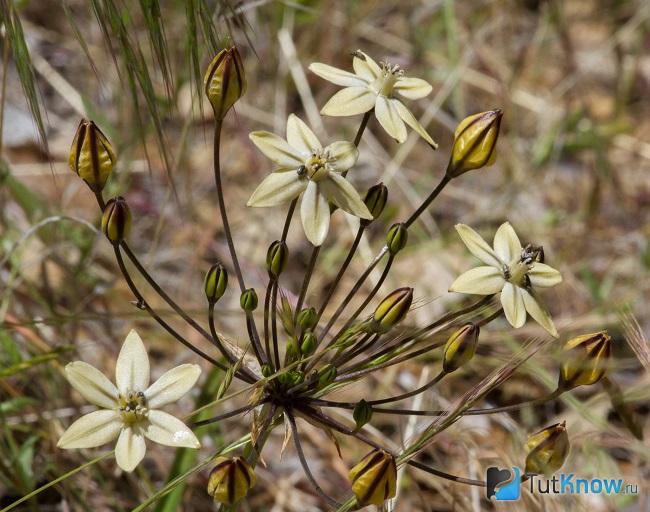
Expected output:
(327, 375)
(586, 359)
(116, 220)
(374, 478)
(91, 156)
(362, 414)
(276, 258)
(230, 480)
(397, 237)
(475, 142)
(309, 343)
(225, 81)
(460, 347)
(292, 351)
(266, 370)
(307, 318)
(547, 450)
(215, 282)
(392, 309)
(248, 300)
(375, 201)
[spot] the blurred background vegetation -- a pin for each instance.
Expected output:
(572, 175)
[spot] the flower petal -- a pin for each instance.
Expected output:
(350, 102)
(93, 429)
(172, 385)
(543, 276)
(132, 367)
(166, 429)
(336, 76)
(339, 190)
(92, 384)
(390, 119)
(365, 67)
(130, 448)
(344, 154)
(477, 246)
(410, 119)
(277, 149)
(315, 214)
(277, 188)
(412, 88)
(513, 305)
(539, 313)
(479, 281)
(300, 136)
(506, 243)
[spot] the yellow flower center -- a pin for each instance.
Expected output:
(517, 271)
(317, 167)
(385, 84)
(133, 406)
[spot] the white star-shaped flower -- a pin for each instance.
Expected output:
(308, 168)
(511, 269)
(375, 86)
(129, 411)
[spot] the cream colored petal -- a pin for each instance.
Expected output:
(389, 119)
(336, 76)
(350, 102)
(506, 243)
(513, 305)
(277, 149)
(539, 313)
(300, 136)
(172, 385)
(410, 119)
(91, 430)
(315, 214)
(365, 67)
(543, 276)
(132, 367)
(345, 155)
(278, 188)
(412, 88)
(130, 448)
(339, 190)
(166, 429)
(92, 384)
(477, 246)
(479, 281)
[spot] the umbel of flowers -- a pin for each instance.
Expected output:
(294, 354)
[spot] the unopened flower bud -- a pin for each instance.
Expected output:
(248, 300)
(91, 155)
(276, 258)
(215, 283)
(392, 309)
(266, 370)
(460, 347)
(116, 220)
(309, 343)
(547, 450)
(374, 478)
(225, 81)
(475, 142)
(230, 480)
(307, 318)
(327, 375)
(362, 414)
(585, 360)
(397, 237)
(375, 201)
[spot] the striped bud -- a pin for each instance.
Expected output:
(392, 310)
(585, 360)
(307, 318)
(396, 238)
(362, 413)
(475, 142)
(91, 156)
(374, 478)
(276, 258)
(215, 283)
(460, 347)
(248, 300)
(225, 81)
(327, 375)
(547, 450)
(266, 370)
(116, 220)
(309, 343)
(375, 201)
(230, 480)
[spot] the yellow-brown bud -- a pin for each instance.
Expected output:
(586, 359)
(392, 309)
(277, 257)
(460, 347)
(116, 220)
(215, 283)
(547, 450)
(475, 142)
(375, 201)
(374, 478)
(91, 156)
(230, 480)
(396, 238)
(225, 81)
